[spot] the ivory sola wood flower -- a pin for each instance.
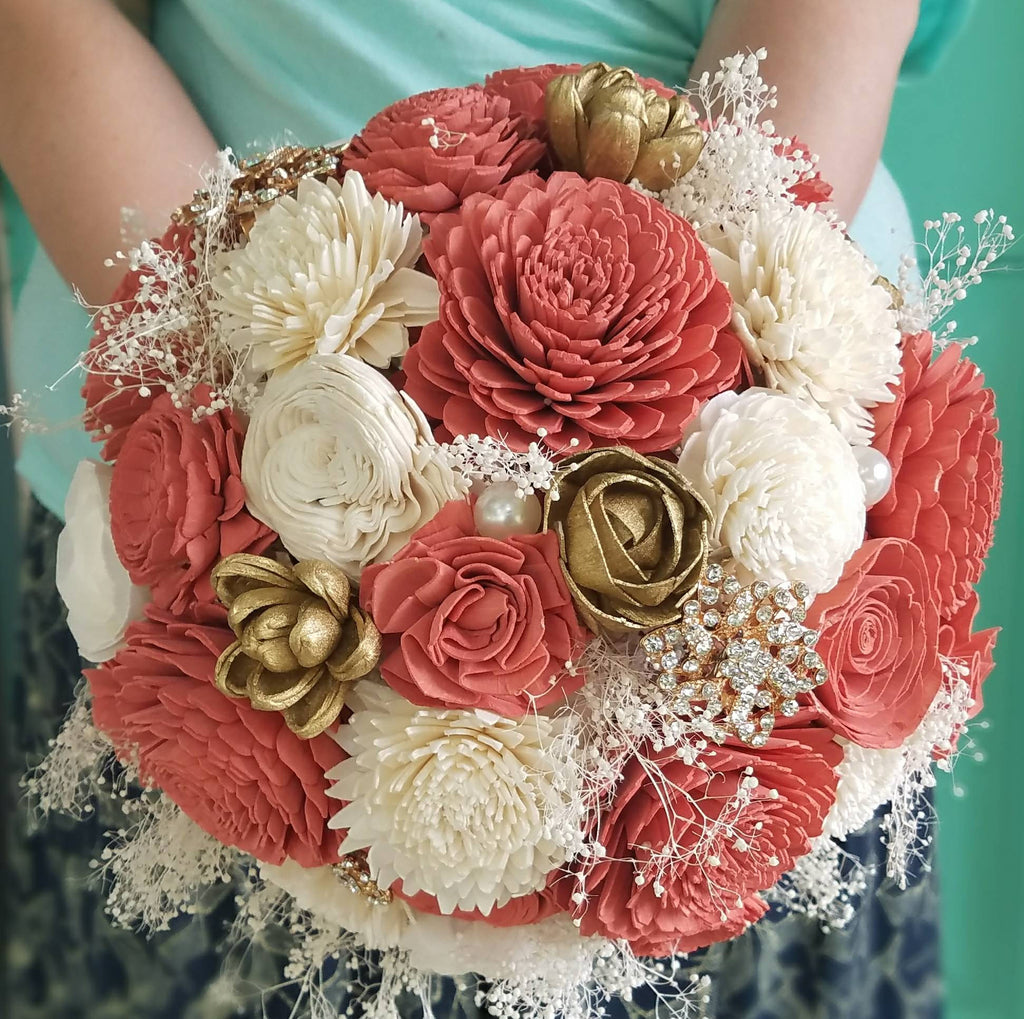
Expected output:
(328, 270)
(457, 804)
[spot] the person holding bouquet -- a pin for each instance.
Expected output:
(95, 117)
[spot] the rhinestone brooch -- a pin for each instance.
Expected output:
(739, 657)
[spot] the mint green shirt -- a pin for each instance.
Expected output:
(263, 72)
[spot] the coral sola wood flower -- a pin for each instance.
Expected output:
(475, 622)
(238, 773)
(433, 150)
(301, 638)
(689, 849)
(947, 463)
(581, 308)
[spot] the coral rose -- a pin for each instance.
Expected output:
(177, 504)
(433, 150)
(524, 87)
(940, 437)
(696, 815)
(474, 622)
(582, 308)
(879, 640)
(110, 409)
(240, 774)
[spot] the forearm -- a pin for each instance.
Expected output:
(835, 64)
(91, 121)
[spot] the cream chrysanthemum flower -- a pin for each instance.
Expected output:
(341, 464)
(782, 484)
(466, 806)
(808, 312)
(319, 891)
(330, 270)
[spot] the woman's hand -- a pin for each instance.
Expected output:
(91, 121)
(835, 63)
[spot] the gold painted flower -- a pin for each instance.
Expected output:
(633, 536)
(604, 123)
(302, 638)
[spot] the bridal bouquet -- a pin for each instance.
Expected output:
(528, 539)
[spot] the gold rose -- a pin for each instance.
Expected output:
(633, 538)
(603, 123)
(302, 638)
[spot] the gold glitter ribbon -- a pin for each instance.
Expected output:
(603, 123)
(302, 638)
(632, 535)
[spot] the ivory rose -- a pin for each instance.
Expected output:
(341, 464)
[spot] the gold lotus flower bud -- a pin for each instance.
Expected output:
(604, 123)
(302, 638)
(633, 537)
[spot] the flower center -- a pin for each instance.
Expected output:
(574, 275)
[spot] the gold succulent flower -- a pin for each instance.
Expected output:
(604, 123)
(633, 537)
(302, 638)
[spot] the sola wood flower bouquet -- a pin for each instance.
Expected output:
(527, 540)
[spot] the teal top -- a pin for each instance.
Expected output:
(267, 71)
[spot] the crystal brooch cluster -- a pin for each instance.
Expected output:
(739, 657)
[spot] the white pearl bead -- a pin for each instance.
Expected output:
(875, 472)
(500, 512)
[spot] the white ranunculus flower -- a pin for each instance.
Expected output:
(330, 270)
(341, 464)
(462, 805)
(782, 484)
(320, 891)
(96, 588)
(808, 312)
